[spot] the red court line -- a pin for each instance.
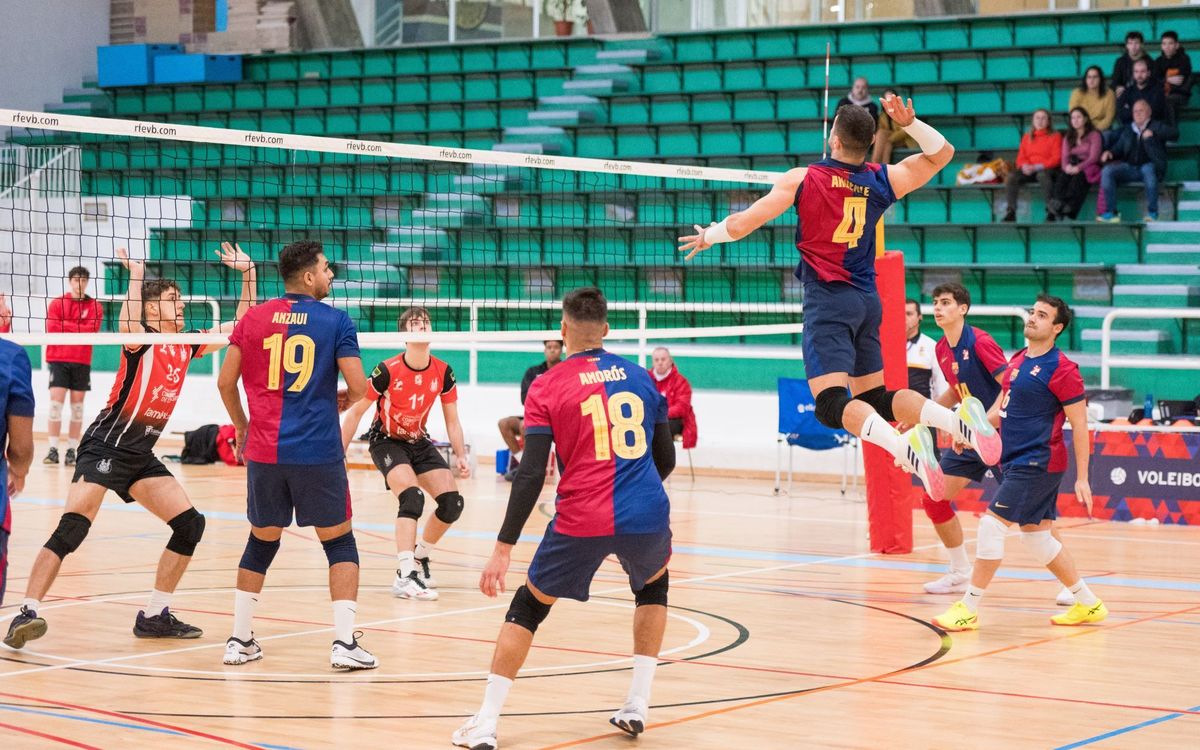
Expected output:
(51, 737)
(138, 719)
(1054, 698)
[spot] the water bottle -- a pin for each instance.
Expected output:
(1148, 407)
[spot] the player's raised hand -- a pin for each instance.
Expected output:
(137, 269)
(1083, 493)
(234, 257)
(491, 580)
(901, 114)
(693, 243)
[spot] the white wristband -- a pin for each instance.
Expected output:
(717, 233)
(926, 137)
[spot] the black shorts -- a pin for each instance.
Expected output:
(422, 456)
(70, 375)
(676, 426)
(115, 470)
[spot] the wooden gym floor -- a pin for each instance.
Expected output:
(784, 631)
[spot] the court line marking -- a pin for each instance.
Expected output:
(1125, 730)
(91, 720)
(51, 737)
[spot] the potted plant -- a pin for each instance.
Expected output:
(564, 13)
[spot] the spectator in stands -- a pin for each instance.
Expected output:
(5, 315)
(889, 136)
(1038, 158)
(860, 95)
(1122, 75)
(678, 392)
(1144, 88)
(1139, 154)
(1096, 98)
(512, 429)
(1079, 169)
(1174, 69)
(71, 364)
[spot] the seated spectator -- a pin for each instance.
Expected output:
(1096, 98)
(889, 136)
(1139, 154)
(1174, 69)
(1122, 75)
(1144, 88)
(860, 95)
(678, 392)
(512, 429)
(1038, 158)
(1079, 170)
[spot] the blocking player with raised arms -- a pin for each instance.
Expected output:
(614, 445)
(117, 451)
(839, 202)
(1042, 387)
(288, 353)
(403, 388)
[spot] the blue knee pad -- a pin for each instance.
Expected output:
(258, 555)
(342, 549)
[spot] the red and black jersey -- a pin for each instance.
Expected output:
(143, 396)
(404, 396)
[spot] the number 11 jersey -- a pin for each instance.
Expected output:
(601, 410)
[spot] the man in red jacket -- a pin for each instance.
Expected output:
(70, 365)
(678, 392)
(1038, 159)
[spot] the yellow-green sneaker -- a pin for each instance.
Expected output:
(958, 617)
(1081, 614)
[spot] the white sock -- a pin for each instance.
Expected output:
(958, 558)
(159, 600)
(244, 604)
(54, 442)
(1083, 594)
(424, 549)
(972, 598)
(406, 563)
(494, 696)
(934, 414)
(33, 605)
(72, 443)
(876, 430)
(343, 620)
(643, 675)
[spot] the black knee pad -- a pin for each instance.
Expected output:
(526, 611)
(342, 549)
(449, 507)
(186, 530)
(258, 554)
(831, 402)
(72, 530)
(880, 400)
(655, 592)
(412, 503)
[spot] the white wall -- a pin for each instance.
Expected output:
(49, 45)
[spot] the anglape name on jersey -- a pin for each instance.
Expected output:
(610, 375)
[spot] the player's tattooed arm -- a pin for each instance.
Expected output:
(742, 223)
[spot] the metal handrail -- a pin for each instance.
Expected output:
(1162, 361)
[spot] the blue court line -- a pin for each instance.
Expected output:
(732, 554)
(1123, 730)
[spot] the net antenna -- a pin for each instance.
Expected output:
(825, 119)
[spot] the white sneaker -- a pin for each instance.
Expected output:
(1065, 598)
(978, 431)
(423, 573)
(954, 582)
(352, 656)
(413, 587)
(476, 734)
(920, 459)
(240, 652)
(631, 718)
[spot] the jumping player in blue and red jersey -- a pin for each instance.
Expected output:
(838, 203)
(288, 353)
(1042, 388)
(610, 426)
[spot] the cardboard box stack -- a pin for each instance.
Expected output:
(186, 22)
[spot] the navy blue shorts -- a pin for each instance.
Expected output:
(841, 330)
(1028, 495)
(319, 494)
(563, 566)
(967, 464)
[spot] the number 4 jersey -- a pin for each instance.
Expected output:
(601, 410)
(290, 347)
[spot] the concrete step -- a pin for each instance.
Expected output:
(603, 71)
(418, 237)
(1156, 295)
(595, 86)
(1170, 252)
(562, 117)
(570, 102)
(1130, 342)
(484, 184)
(1173, 232)
(528, 148)
(535, 134)
(444, 218)
(627, 56)
(1140, 273)
(469, 202)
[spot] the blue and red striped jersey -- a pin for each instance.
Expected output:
(972, 365)
(1031, 414)
(838, 206)
(290, 347)
(601, 410)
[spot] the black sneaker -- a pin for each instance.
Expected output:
(25, 627)
(51, 456)
(69, 460)
(164, 625)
